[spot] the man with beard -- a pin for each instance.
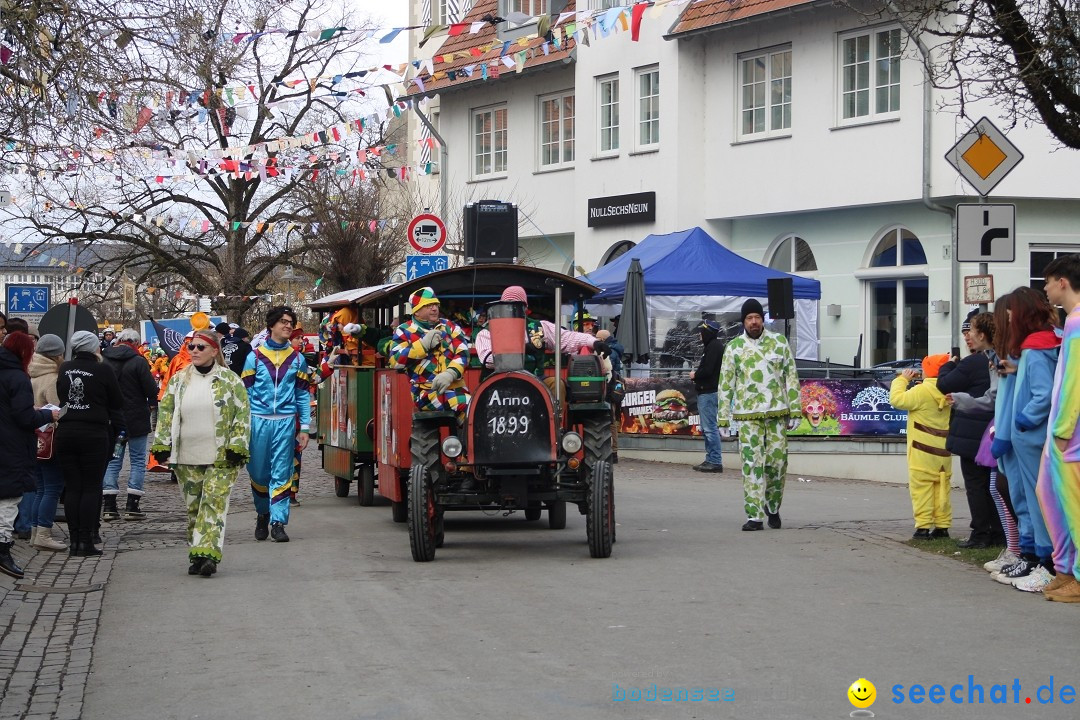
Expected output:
(759, 389)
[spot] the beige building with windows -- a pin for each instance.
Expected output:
(793, 131)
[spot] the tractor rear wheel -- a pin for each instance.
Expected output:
(423, 515)
(600, 518)
(365, 485)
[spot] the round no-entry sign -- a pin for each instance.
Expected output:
(427, 234)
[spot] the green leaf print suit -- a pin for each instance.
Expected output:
(759, 389)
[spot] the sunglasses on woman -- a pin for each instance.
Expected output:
(196, 346)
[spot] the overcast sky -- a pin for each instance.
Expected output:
(387, 14)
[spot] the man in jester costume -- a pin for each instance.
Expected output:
(277, 380)
(435, 352)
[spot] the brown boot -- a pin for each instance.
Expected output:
(1069, 592)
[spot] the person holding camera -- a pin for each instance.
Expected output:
(203, 430)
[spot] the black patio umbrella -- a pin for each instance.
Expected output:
(633, 332)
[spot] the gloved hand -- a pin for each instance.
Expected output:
(443, 380)
(601, 348)
(1024, 423)
(725, 431)
(233, 458)
(431, 340)
(794, 422)
(999, 447)
(162, 456)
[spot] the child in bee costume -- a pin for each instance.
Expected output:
(759, 389)
(929, 463)
(435, 352)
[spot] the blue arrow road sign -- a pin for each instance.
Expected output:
(27, 299)
(420, 265)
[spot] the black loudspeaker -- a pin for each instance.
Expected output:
(781, 298)
(491, 232)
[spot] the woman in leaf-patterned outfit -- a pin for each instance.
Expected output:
(203, 430)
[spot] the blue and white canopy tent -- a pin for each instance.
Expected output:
(688, 272)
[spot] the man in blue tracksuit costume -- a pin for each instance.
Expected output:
(277, 380)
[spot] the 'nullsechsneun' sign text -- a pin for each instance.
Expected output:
(622, 209)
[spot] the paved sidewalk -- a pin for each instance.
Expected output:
(49, 619)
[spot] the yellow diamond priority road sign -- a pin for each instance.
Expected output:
(984, 156)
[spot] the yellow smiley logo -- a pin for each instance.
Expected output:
(862, 693)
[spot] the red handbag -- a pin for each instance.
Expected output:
(45, 442)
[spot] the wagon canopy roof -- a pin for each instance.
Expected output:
(348, 297)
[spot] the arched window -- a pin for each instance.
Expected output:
(620, 248)
(898, 293)
(793, 254)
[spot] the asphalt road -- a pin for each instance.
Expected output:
(515, 620)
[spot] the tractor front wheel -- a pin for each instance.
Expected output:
(423, 515)
(600, 518)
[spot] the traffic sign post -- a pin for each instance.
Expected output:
(984, 156)
(420, 265)
(985, 233)
(427, 233)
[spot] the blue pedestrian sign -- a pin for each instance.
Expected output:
(27, 299)
(420, 265)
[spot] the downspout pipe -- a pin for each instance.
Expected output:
(443, 159)
(927, 197)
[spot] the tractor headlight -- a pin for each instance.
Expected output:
(571, 443)
(451, 447)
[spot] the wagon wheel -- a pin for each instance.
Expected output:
(341, 487)
(600, 518)
(365, 485)
(557, 515)
(532, 513)
(423, 515)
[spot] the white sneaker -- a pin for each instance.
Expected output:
(1003, 559)
(1035, 581)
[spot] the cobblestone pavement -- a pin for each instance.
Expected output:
(49, 619)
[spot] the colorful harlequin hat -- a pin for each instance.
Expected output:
(421, 298)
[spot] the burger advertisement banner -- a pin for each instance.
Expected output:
(668, 406)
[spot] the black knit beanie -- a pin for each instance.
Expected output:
(750, 307)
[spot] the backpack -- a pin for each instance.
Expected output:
(616, 389)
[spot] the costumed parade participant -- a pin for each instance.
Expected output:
(435, 352)
(277, 379)
(203, 433)
(759, 389)
(929, 463)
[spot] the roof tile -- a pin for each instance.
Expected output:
(709, 13)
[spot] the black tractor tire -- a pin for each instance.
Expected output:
(600, 518)
(399, 511)
(423, 515)
(557, 515)
(533, 512)
(341, 487)
(365, 485)
(596, 434)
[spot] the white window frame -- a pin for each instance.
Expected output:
(773, 252)
(875, 111)
(646, 109)
(768, 83)
(493, 170)
(614, 127)
(565, 146)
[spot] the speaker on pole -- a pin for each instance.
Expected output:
(491, 232)
(781, 298)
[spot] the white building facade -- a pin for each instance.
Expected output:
(802, 138)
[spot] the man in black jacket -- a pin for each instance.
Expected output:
(972, 376)
(705, 379)
(140, 393)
